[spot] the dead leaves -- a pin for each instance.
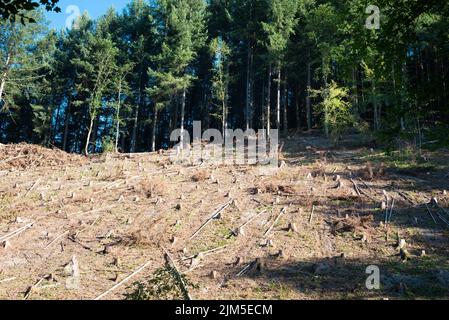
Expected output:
(152, 188)
(274, 188)
(201, 175)
(352, 225)
(25, 156)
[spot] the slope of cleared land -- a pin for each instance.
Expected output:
(72, 228)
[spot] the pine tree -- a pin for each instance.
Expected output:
(279, 27)
(183, 28)
(94, 69)
(220, 52)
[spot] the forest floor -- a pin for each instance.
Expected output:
(72, 228)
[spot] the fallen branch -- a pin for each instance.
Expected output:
(12, 159)
(245, 269)
(283, 210)
(311, 214)
(30, 289)
(124, 280)
(214, 215)
(430, 212)
(8, 279)
(91, 211)
(56, 239)
(89, 226)
(406, 197)
(356, 188)
(249, 221)
(391, 211)
(366, 185)
(443, 219)
(16, 232)
(32, 187)
(442, 209)
(75, 240)
(204, 253)
(360, 190)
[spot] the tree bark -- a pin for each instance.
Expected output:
(263, 101)
(117, 132)
(248, 88)
(298, 107)
(2, 86)
(134, 134)
(4, 76)
(89, 133)
(183, 107)
(225, 102)
(308, 104)
(94, 134)
(355, 93)
(278, 98)
(375, 106)
(66, 124)
(326, 93)
(285, 105)
(269, 101)
(153, 135)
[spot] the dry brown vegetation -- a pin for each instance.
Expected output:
(307, 232)
(201, 175)
(25, 156)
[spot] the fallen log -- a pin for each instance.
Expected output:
(138, 270)
(214, 215)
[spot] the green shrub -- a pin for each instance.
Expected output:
(165, 284)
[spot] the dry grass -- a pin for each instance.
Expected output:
(25, 156)
(154, 187)
(201, 175)
(134, 213)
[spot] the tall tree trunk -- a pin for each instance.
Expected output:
(183, 109)
(443, 74)
(4, 76)
(308, 103)
(2, 86)
(355, 93)
(269, 101)
(54, 128)
(66, 124)
(298, 106)
(224, 121)
(375, 106)
(285, 105)
(153, 134)
(134, 133)
(94, 135)
(117, 132)
(326, 94)
(225, 102)
(278, 98)
(393, 77)
(248, 88)
(263, 101)
(89, 133)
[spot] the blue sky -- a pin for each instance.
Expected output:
(95, 8)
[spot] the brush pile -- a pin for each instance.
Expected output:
(24, 156)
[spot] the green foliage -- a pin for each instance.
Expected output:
(336, 109)
(281, 24)
(207, 60)
(220, 52)
(13, 9)
(163, 285)
(108, 145)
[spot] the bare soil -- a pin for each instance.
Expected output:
(310, 230)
